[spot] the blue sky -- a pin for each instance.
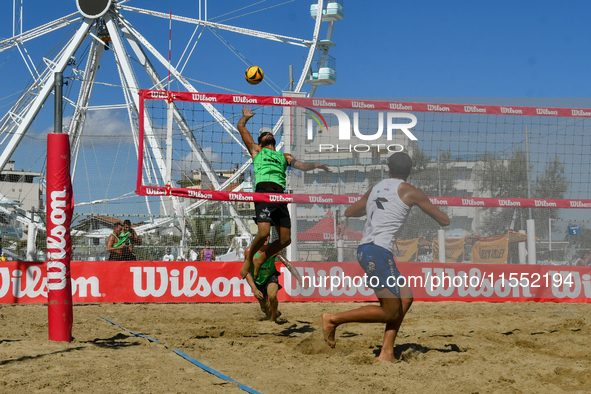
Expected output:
(498, 51)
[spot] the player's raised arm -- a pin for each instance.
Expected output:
(303, 166)
(357, 209)
(251, 145)
(411, 196)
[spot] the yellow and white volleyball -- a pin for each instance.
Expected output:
(254, 75)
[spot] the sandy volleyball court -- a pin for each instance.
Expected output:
(443, 347)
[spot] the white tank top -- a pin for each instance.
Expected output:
(386, 213)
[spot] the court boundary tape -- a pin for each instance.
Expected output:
(188, 358)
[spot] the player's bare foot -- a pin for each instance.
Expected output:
(245, 268)
(277, 315)
(258, 262)
(329, 330)
(387, 356)
(266, 310)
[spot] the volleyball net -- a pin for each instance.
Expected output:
(489, 167)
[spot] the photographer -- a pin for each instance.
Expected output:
(119, 248)
(130, 239)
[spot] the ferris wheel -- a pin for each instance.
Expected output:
(142, 60)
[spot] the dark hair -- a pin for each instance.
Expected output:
(117, 225)
(262, 135)
(127, 222)
(400, 165)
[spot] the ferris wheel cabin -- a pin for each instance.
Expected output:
(333, 11)
(322, 72)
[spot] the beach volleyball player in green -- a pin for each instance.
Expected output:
(266, 285)
(270, 167)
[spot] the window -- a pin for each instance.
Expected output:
(462, 174)
(463, 222)
(462, 193)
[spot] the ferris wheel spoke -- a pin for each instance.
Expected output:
(248, 32)
(228, 127)
(60, 65)
(76, 125)
(39, 31)
(195, 147)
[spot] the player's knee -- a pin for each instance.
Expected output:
(285, 241)
(407, 302)
(391, 315)
(264, 232)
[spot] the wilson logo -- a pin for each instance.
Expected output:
(470, 201)
(284, 101)
(320, 199)
(579, 204)
(544, 203)
(56, 241)
(279, 198)
(580, 112)
(155, 192)
(157, 282)
(32, 284)
(473, 108)
(204, 97)
(158, 95)
(509, 110)
(400, 107)
(198, 194)
(244, 100)
(323, 103)
(361, 104)
(545, 111)
(509, 203)
(240, 197)
(437, 108)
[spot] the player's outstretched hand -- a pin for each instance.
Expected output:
(247, 112)
(324, 167)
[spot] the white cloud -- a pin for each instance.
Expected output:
(190, 162)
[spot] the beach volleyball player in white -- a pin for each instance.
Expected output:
(387, 206)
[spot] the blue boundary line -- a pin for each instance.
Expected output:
(137, 334)
(188, 358)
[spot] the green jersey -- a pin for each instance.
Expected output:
(270, 166)
(124, 236)
(267, 269)
(120, 241)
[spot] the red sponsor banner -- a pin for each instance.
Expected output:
(161, 281)
(59, 246)
(243, 99)
(350, 199)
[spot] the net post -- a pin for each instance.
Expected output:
(60, 205)
(293, 138)
(169, 115)
(140, 154)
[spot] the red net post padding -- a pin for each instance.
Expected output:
(60, 204)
